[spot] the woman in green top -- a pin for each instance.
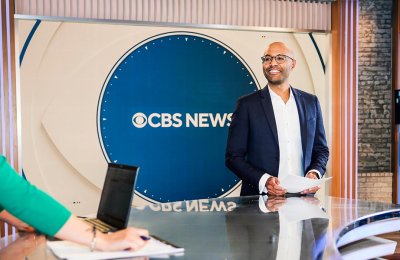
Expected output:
(34, 207)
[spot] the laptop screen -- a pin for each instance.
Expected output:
(116, 197)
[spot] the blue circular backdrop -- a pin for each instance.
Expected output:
(166, 106)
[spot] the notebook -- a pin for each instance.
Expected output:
(116, 198)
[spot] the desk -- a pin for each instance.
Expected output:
(247, 227)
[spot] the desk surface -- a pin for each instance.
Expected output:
(259, 227)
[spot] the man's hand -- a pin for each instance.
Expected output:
(273, 187)
(274, 203)
(311, 175)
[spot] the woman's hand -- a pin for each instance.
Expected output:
(79, 231)
(22, 247)
(128, 239)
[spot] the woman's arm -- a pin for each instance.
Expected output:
(24, 201)
(81, 232)
(10, 219)
(28, 203)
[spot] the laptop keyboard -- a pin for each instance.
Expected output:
(100, 225)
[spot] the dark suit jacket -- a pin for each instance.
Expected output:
(252, 235)
(253, 148)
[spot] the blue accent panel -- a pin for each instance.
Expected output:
(166, 106)
(319, 53)
(28, 40)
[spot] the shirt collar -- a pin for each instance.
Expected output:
(275, 96)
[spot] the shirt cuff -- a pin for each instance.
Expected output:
(261, 184)
(316, 171)
(262, 200)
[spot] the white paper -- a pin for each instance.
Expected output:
(70, 250)
(300, 208)
(296, 184)
(295, 209)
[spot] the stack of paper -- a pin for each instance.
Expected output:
(70, 250)
(296, 184)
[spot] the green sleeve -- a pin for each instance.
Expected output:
(28, 203)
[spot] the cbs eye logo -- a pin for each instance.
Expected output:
(139, 120)
(155, 120)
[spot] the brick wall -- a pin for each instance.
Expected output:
(374, 99)
(375, 186)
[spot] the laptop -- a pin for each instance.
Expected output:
(116, 198)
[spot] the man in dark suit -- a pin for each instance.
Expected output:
(276, 131)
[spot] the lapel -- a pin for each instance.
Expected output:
(301, 109)
(269, 112)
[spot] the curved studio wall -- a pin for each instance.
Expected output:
(157, 97)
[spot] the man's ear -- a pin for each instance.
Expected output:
(293, 64)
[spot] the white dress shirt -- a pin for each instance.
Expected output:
(290, 233)
(289, 137)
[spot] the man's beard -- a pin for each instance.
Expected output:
(276, 81)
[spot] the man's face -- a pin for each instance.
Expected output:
(278, 73)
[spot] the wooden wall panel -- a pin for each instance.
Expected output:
(303, 15)
(344, 98)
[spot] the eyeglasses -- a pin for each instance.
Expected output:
(280, 58)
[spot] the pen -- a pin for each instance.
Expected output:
(145, 238)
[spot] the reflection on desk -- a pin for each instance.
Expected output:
(251, 227)
(267, 228)
(278, 234)
(17, 247)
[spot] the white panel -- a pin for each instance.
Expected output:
(368, 248)
(370, 229)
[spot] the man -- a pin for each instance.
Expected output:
(276, 131)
